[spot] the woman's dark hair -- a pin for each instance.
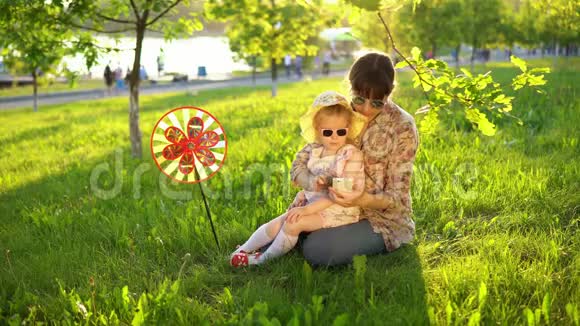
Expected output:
(372, 76)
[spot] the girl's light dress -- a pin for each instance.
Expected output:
(330, 166)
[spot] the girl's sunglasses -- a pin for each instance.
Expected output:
(359, 100)
(339, 132)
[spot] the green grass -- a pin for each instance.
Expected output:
(496, 217)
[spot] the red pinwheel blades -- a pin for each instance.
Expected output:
(186, 142)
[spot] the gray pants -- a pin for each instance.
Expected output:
(337, 246)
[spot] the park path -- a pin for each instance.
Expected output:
(16, 102)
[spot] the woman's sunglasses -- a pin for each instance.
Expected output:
(339, 132)
(359, 100)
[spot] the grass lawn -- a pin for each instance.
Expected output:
(497, 219)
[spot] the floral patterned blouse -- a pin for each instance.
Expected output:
(389, 144)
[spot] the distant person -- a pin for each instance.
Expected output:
(316, 64)
(109, 78)
(128, 77)
(298, 66)
(455, 55)
(160, 63)
(119, 83)
(143, 73)
(288, 65)
(486, 55)
(326, 63)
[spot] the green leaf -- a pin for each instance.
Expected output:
(341, 320)
(482, 84)
(572, 313)
(519, 81)
(431, 314)
(416, 53)
(519, 63)
(544, 70)
(141, 314)
(401, 64)
(482, 295)
(449, 312)
(546, 307)
(371, 5)
(480, 120)
(125, 297)
(466, 72)
(536, 80)
(307, 274)
(507, 107)
(475, 319)
(537, 315)
(500, 99)
(430, 123)
(529, 316)
(416, 81)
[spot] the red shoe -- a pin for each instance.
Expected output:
(239, 259)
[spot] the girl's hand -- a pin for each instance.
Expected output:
(319, 184)
(345, 199)
(295, 214)
(299, 201)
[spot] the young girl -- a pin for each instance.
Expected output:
(330, 125)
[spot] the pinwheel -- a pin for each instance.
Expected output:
(189, 145)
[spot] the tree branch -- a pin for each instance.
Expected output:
(89, 28)
(107, 48)
(434, 87)
(403, 56)
(116, 20)
(135, 10)
(154, 20)
(153, 30)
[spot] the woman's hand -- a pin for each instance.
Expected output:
(345, 199)
(296, 214)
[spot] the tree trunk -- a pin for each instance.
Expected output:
(134, 80)
(254, 63)
(35, 90)
(274, 77)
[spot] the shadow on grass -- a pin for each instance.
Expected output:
(395, 288)
(388, 290)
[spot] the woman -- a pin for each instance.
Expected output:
(389, 143)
